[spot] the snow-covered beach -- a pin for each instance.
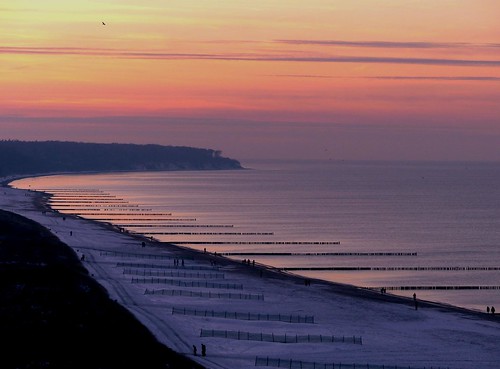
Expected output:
(237, 310)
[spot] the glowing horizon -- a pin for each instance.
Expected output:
(279, 79)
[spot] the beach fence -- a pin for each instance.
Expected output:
(210, 294)
(280, 338)
(175, 282)
(299, 364)
(245, 316)
(171, 273)
(165, 266)
(136, 255)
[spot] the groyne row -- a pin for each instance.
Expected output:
(257, 242)
(319, 253)
(413, 268)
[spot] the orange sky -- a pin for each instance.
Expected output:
(280, 79)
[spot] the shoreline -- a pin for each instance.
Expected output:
(392, 332)
(345, 289)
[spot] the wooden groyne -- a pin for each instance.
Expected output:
(256, 242)
(416, 288)
(136, 219)
(102, 206)
(104, 212)
(111, 219)
(212, 233)
(61, 202)
(103, 209)
(395, 268)
(90, 197)
(319, 253)
(72, 190)
(176, 225)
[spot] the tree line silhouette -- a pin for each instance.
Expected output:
(33, 157)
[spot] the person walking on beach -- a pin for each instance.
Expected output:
(203, 350)
(493, 310)
(195, 350)
(415, 301)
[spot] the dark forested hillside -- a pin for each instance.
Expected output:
(23, 157)
(54, 315)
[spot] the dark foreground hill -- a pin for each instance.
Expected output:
(33, 157)
(54, 315)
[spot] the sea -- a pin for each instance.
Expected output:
(429, 228)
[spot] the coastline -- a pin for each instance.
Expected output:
(346, 289)
(267, 274)
(41, 203)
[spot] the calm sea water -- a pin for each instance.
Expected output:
(371, 224)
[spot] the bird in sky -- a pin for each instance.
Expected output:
(103, 23)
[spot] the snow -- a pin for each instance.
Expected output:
(392, 333)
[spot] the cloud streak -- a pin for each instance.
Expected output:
(392, 44)
(154, 55)
(398, 78)
(440, 78)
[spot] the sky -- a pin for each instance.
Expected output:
(277, 79)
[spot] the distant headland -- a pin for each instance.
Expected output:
(36, 157)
